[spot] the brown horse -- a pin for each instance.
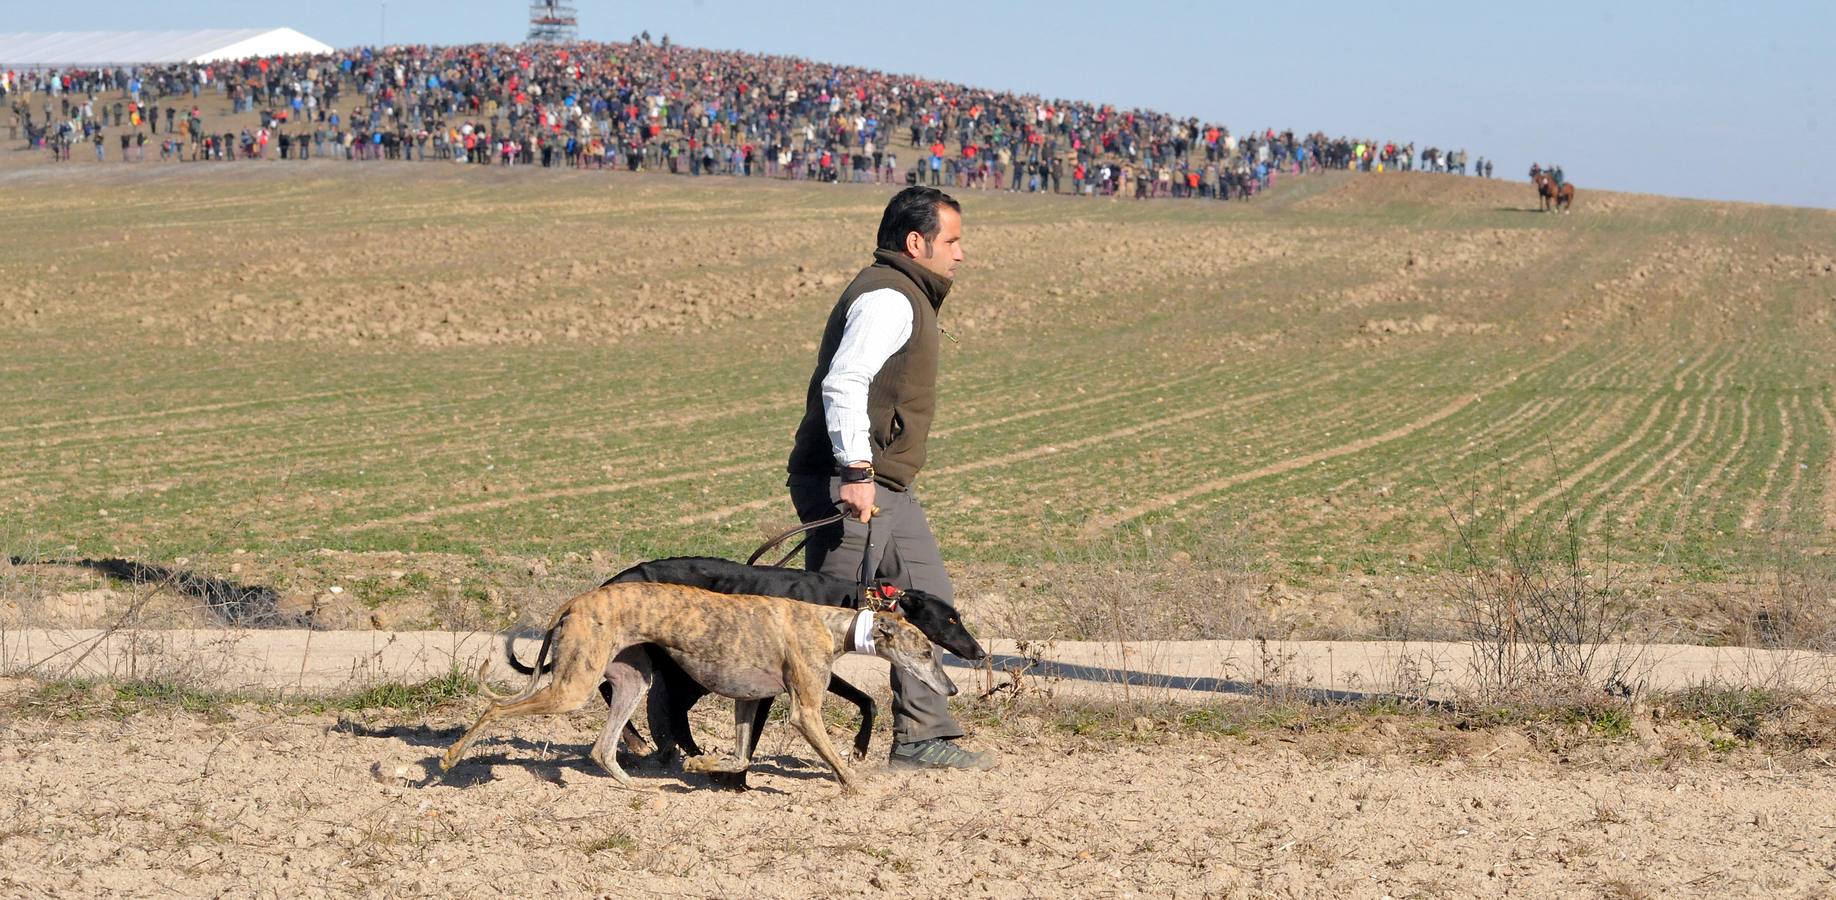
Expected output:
(1545, 190)
(1565, 195)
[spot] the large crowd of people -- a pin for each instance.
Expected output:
(650, 105)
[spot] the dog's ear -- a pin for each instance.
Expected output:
(887, 625)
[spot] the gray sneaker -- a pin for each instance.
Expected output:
(940, 753)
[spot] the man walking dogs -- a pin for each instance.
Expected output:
(863, 433)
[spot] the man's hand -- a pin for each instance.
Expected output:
(859, 498)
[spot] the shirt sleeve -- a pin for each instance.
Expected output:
(878, 324)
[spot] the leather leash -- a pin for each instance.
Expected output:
(866, 580)
(789, 533)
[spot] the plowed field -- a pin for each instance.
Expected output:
(431, 386)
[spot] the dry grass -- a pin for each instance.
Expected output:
(83, 698)
(1136, 591)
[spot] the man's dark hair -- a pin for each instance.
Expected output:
(913, 209)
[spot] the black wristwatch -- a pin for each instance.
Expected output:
(856, 474)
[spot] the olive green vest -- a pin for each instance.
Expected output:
(901, 397)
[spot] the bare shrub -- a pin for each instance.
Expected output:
(24, 589)
(1796, 609)
(121, 632)
(1140, 592)
(1789, 622)
(1542, 616)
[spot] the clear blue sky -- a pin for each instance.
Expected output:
(1681, 97)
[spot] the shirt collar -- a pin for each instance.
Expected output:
(935, 286)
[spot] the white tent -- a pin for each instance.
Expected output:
(95, 49)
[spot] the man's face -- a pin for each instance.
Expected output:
(942, 253)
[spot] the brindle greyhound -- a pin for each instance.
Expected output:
(675, 692)
(749, 648)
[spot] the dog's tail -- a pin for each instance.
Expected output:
(520, 667)
(517, 664)
(542, 663)
(484, 687)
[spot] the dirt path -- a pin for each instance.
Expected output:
(244, 802)
(310, 662)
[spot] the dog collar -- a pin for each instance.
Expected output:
(862, 633)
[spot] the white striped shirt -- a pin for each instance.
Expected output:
(878, 324)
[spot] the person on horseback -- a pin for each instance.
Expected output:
(1555, 172)
(1535, 170)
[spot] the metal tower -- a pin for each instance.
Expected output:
(553, 22)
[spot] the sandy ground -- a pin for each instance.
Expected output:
(255, 801)
(263, 805)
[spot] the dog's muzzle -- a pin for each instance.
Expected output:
(943, 679)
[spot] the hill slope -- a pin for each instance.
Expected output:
(571, 371)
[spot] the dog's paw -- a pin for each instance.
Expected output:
(711, 764)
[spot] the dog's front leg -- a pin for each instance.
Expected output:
(806, 717)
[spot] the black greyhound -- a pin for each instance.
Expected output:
(670, 729)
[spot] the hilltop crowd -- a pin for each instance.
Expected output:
(649, 105)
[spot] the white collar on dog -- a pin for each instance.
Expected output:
(863, 632)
